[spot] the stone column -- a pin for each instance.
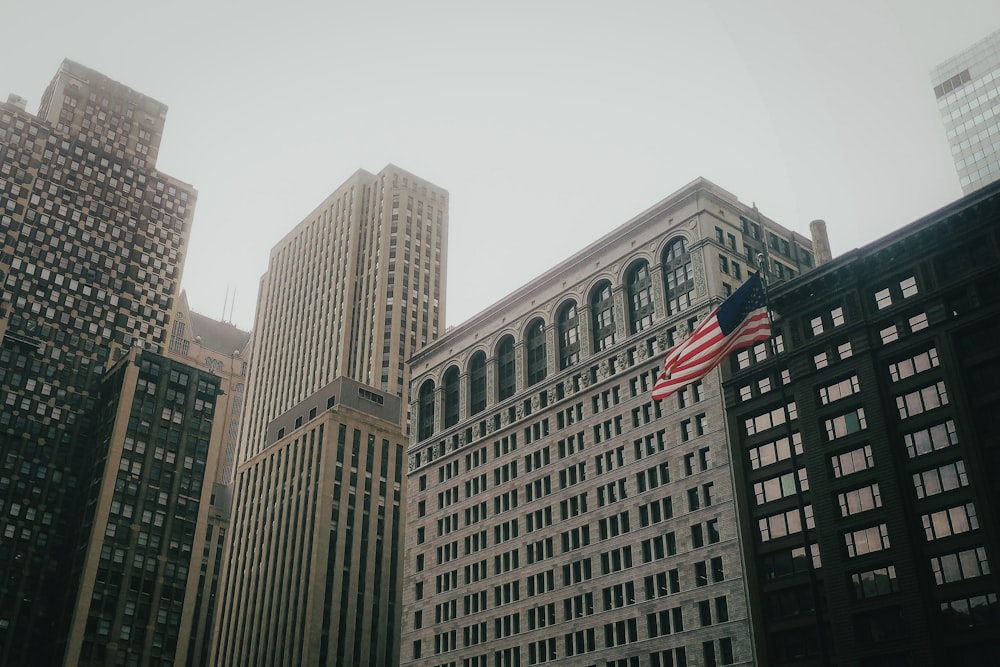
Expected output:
(619, 297)
(551, 350)
(464, 390)
(585, 319)
(659, 291)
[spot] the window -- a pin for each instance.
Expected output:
(536, 352)
(839, 390)
(451, 396)
(874, 583)
(859, 500)
(930, 439)
(852, 461)
(426, 419)
(948, 477)
(677, 275)
(951, 521)
(569, 335)
(970, 612)
(913, 365)
(778, 487)
(603, 316)
(640, 297)
(867, 540)
(772, 452)
(921, 400)
(845, 424)
(966, 564)
(784, 523)
(506, 379)
(477, 383)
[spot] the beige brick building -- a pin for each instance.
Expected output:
(555, 511)
(313, 572)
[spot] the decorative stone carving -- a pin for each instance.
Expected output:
(622, 360)
(642, 351)
(536, 403)
(567, 386)
(585, 380)
(603, 369)
(662, 341)
(413, 462)
(489, 426)
(503, 418)
(698, 268)
(461, 438)
(519, 411)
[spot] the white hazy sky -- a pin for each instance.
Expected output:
(549, 122)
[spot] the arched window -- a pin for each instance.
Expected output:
(602, 311)
(477, 383)
(506, 375)
(569, 335)
(426, 425)
(677, 276)
(640, 297)
(451, 399)
(536, 351)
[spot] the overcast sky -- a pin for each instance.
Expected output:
(550, 123)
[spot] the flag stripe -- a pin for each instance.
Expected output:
(708, 344)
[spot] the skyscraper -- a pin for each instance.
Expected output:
(352, 291)
(220, 349)
(92, 240)
(554, 510)
(866, 452)
(967, 87)
(313, 571)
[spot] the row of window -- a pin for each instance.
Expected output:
(678, 282)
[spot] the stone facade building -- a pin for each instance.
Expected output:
(554, 510)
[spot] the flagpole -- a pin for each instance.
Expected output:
(799, 497)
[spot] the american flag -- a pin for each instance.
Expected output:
(739, 321)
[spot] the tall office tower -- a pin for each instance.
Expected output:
(92, 239)
(554, 510)
(867, 451)
(216, 347)
(967, 87)
(313, 569)
(146, 510)
(352, 291)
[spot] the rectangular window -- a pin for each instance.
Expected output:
(930, 439)
(859, 500)
(922, 400)
(867, 540)
(852, 461)
(845, 424)
(874, 583)
(958, 566)
(948, 477)
(772, 452)
(839, 390)
(951, 521)
(784, 523)
(913, 365)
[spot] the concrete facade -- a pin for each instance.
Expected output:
(350, 293)
(313, 572)
(554, 510)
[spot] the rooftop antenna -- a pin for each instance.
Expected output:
(225, 302)
(232, 306)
